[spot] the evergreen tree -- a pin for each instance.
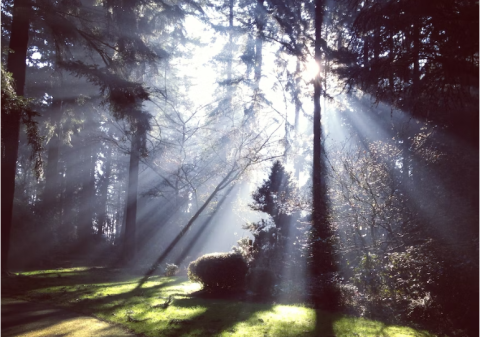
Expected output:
(274, 245)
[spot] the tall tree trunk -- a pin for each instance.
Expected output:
(129, 249)
(321, 234)
(104, 183)
(16, 64)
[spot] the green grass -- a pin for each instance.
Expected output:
(114, 296)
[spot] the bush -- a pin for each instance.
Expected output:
(219, 271)
(171, 269)
(261, 281)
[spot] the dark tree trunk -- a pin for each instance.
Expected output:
(16, 64)
(104, 183)
(129, 249)
(322, 259)
(318, 194)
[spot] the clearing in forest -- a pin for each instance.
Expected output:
(172, 306)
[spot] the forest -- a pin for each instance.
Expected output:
(310, 151)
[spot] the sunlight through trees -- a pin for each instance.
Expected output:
(333, 145)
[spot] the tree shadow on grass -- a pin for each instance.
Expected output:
(244, 315)
(197, 314)
(218, 314)
(82, 289)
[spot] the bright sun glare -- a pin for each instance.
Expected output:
(311, 69)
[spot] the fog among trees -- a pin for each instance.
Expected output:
(332, 143)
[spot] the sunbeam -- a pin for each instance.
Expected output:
(243, 167)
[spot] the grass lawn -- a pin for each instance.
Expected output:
(165, 306)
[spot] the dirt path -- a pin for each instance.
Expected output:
(31, 319)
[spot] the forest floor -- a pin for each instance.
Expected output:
(34, 319)
(171, 306)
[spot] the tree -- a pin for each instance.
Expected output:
(273, 196)
(410, 63)
(11, 118)
(322, 245)
(274, 246)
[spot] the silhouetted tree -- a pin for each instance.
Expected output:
(16, 64)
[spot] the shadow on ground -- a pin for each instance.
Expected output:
(28, 319)
(140, 309)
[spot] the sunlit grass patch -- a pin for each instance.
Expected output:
(165, 306)
(277, 320)
(364, 327)
(55, 272)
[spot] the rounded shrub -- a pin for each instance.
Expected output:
(219, 271)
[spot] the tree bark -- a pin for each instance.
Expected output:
(321, 234)
(16, 64)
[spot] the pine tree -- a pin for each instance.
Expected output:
(275, 198)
